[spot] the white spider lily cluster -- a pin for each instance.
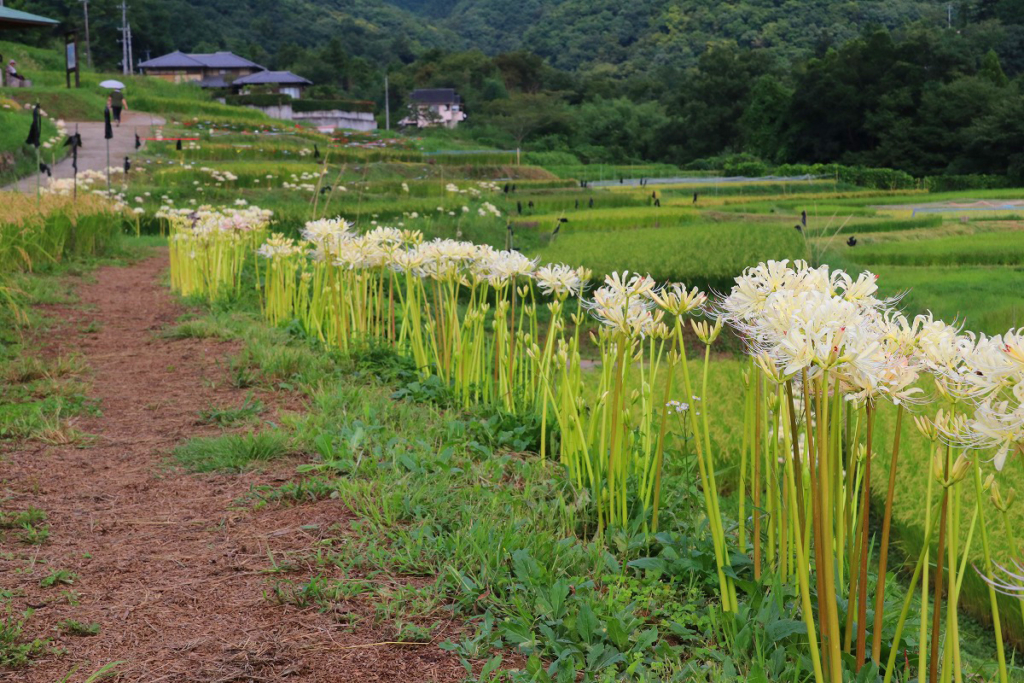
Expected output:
(801, 320)
(988, 373)
(209, 247)
(561, 280)
(624, 304)
(279, 246)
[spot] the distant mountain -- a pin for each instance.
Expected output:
(620, 37)
(637, 34)
(258, 29)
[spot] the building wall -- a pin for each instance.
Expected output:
(191, 75)
(176, 75)
(326, 120)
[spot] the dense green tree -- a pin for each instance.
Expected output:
(992, 70)
(711, 100)
(763, 124)
(523, 115)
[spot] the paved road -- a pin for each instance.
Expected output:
(93, 154)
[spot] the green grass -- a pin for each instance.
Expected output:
(231, 452)
(602, 219)
(985, 299)
(229, 416)
(988, 249)
(846, 227)
(702, 254)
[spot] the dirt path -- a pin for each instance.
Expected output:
(167, 564)
(93, 154)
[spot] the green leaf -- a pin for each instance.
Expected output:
(586, 623)
(491, 666)
(783, 628)
(602, 657)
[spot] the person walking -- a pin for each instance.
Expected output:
(116, 101)
(12, 73)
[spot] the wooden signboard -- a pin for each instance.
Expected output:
(71, 58)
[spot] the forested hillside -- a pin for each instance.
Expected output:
(571, 34)
(259, 29)
(636, 35)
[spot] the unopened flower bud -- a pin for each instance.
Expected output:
(926, 427)
(705, 332)
(960, 469)
(1002, 504)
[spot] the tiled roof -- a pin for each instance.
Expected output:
(224, 60)
(215, 60)
(435, 96)
(175, 60)
(272, 78)
(15, 19)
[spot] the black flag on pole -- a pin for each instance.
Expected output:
(36, 130)
(74, 141)
(178, 146)
(108, 131)
(138, 142)
(127, 165)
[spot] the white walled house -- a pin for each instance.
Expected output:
(434, 107)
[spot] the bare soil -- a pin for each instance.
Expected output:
(170, 564)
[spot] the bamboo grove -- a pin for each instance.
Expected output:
(824, 353)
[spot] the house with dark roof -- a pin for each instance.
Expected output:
(434, 107)
(282, 82)
(209, 70)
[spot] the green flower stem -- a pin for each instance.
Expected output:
(993, 600)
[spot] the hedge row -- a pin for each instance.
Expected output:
(952, 183)
(874, 178)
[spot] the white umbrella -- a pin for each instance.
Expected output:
(112, 85)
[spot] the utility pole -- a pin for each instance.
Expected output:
(124, 38)
(88, 45)
(949, 15)
(131, 59)
(387, 104)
